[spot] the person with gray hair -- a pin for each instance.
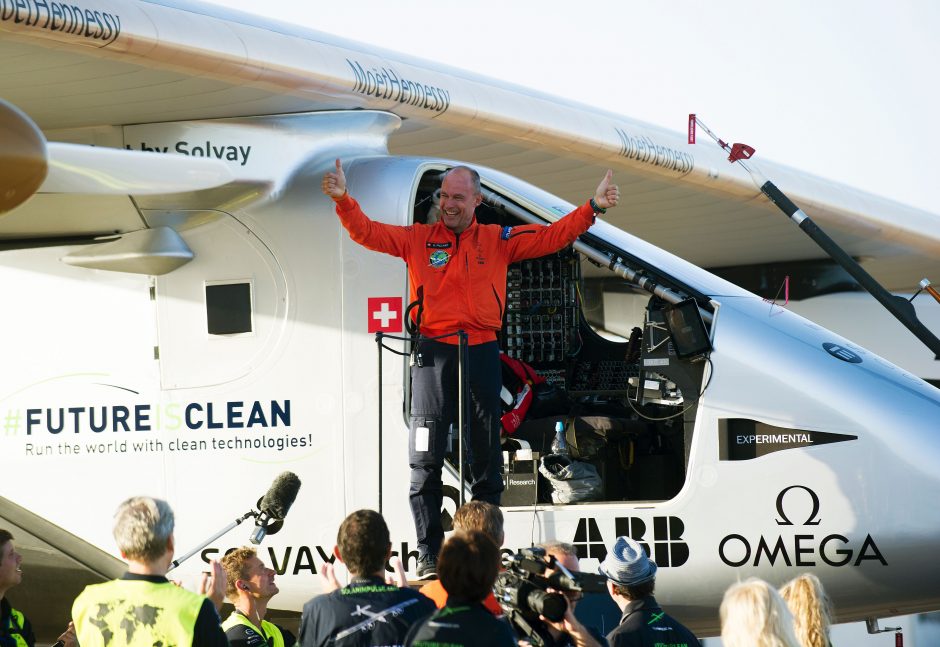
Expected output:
(143, 608)
(631, 579)
(568, 632)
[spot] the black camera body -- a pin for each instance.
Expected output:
(522, 590)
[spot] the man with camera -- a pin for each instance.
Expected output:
(631, 578)
(538, 592)
(567, 632)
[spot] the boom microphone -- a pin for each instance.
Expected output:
(280, 497)
(274, 506)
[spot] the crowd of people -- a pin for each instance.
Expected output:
(144, 608)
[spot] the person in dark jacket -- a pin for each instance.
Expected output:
(367, 611)
(631, 578)
(467, 569)
(569, 632)
(15, 629)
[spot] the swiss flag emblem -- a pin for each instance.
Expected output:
(385, 314)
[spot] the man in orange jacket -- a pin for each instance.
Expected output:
(457, 267)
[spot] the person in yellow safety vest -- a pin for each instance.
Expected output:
(250, 588)
(143, 608)
(15, 629)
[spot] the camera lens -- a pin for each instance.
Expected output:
(550, 605)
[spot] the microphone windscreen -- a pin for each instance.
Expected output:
(280, 496)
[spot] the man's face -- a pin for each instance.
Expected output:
(458, 200)
(260, 579)
(10, 560)
(572, 564)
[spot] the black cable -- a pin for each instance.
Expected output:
(711, 371)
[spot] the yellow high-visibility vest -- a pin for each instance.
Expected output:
(136, 613)
(270, 632)
(17, 623)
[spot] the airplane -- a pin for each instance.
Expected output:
(365, 611)
(372, 617)
(188, 319)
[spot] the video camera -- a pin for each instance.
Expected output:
(522, 592)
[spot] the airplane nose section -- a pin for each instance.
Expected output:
(23, 158)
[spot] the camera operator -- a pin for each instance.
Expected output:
(534, 592)
(567, 632)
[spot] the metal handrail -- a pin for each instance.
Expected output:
(462, 399)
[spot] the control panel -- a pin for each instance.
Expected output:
(541, 320)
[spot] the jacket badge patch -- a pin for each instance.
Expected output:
(438, 245)
(438, 258)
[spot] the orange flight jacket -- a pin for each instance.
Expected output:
(463, 277)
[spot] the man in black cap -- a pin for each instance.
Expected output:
(631, 578)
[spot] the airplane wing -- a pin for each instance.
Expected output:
(83, 70)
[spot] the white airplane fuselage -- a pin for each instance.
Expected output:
(804, 451)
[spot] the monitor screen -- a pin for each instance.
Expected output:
(689, 336)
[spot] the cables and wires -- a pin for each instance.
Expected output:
(639, 387)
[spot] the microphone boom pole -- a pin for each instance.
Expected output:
(234, 524)
(272, 509)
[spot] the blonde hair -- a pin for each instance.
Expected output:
(235, 564)
(753, 614)
(482, 516)
(810, 607)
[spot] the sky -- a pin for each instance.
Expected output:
(844, 89)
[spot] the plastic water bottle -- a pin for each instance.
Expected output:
(559, 446)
